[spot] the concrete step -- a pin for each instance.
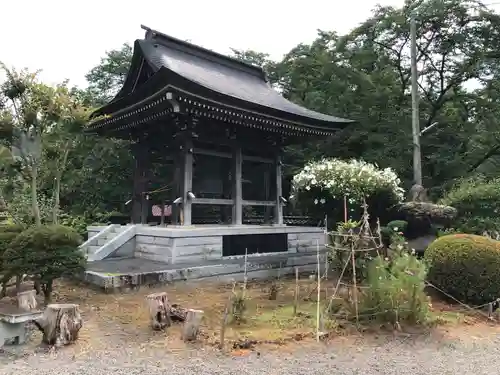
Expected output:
(91, 249)
(109, 247)
(108, 237)
(120, 228)
(116, 229)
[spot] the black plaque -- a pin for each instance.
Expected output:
(254, 243)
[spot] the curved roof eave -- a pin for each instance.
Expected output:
(227, 81)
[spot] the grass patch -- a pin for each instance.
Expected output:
(447, 317)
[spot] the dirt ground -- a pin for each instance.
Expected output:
(111, 316)
(112, 320)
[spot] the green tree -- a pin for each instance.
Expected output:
(100, 161)
(365, 75)
(258, 59)
(41, 124)
(47, 253)
(107, 78)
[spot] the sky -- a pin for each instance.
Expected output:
(65, 39)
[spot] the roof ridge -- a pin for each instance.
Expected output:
(204, 53)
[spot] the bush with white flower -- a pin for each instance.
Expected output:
(320, 187)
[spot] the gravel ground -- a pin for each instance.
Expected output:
(386, 356)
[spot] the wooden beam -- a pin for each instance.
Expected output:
(278, 213)
(257, 159)
(237, 187)
(213, 201)
(259, 203)
(229, 202)
(228, 155)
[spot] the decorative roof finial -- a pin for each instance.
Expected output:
(150, 33)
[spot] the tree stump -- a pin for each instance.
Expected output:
(192, 325)
(159, 310)
(60, 324)
(27, 300)
(177, 313)
(273, 292)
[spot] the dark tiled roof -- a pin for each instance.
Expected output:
(228, 79)
(205, 72)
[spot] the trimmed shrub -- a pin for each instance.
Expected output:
(423, 217)
(478, 205)
(393, 229)
(465, 266)
(7, 235)
(320, 187)
(398, 226)
(46, 252)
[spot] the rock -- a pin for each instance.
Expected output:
(422, 216)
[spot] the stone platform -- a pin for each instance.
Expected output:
(156, 255)
(120, 274)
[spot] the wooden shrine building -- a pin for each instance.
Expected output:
(209, 116)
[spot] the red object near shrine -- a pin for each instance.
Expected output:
(156, 210)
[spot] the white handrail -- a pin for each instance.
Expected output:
(97, 236)
(113, 244)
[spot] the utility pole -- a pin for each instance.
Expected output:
(415, 118)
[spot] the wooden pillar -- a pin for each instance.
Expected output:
(136, 201)
(227, 189)
(140, 183)
(187, 181)
(278, 208)
(144, 203)
(176, 191)
(237, 186)
(267, 194)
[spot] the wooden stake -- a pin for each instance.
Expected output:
(60, 324)
(245, 277)
(192, 325)
(345, 209)
(225, 315)
(355, 291)
(273, 291)
(326, 266)
(296, 296)
(224, 320)
(27, 300)
(319, 293)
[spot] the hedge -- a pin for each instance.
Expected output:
(465, 266)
